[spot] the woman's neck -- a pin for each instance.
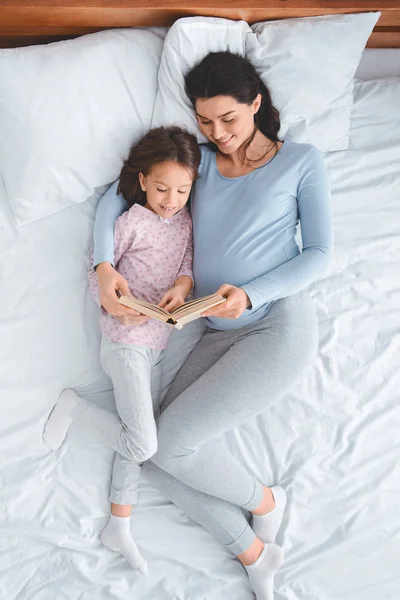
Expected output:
(260, 150)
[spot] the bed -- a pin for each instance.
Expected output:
(333, 442)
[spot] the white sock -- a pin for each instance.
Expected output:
(117, 537)
(261, 573)
(60, 419)
(266, 526)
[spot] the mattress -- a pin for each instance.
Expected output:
(332, 442)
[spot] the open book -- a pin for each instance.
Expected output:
(178, 317)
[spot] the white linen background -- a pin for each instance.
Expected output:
(333, 442)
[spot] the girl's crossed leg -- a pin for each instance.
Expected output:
(135, 372)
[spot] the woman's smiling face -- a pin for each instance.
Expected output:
(226, 122)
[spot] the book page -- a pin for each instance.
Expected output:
(195, 314)
(197, 306)
(144, 307)
(197, 301)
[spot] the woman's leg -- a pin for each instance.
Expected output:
(228, 524)
(225, 521)
(259, 365)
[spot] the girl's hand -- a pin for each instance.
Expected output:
(172, 298)
(236, 303)
(110, 281)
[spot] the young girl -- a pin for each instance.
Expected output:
(153, 251)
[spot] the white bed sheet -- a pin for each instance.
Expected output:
(379, 63)
(333, 442)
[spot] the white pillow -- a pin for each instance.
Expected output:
(309, 66)
(69, 112)
(186, 43)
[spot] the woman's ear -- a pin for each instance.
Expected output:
(257, 104)
(142, 181)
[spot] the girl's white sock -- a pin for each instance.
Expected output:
(266, 526)
(60, 419)
(261, 573)
(117, 537)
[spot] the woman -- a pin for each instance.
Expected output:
(252, 191)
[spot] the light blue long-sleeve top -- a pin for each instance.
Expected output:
(244, 228)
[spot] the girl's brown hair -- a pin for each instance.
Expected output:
(159, 145)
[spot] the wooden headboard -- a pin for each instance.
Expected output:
(25, 22)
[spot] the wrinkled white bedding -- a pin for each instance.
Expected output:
(333, 442)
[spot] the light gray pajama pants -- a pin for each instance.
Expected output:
(135, 372)
(229, 377)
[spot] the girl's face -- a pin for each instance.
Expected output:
(167, 187)
(226, 122)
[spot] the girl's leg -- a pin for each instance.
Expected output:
(124, 489)
(131, 432)
(126, 473)
(259, 365)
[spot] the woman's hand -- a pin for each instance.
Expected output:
(236, 303)
(173, 298)
(110, 281)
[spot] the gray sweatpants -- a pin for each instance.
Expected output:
(135, 372)
(229, 377)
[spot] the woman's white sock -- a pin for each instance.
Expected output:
(117, 537)
(261, 573)
(60, 419)
(266, 526)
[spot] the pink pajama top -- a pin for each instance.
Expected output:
(151, 253)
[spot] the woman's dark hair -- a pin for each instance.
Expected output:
(159, 145)
(228, 74)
